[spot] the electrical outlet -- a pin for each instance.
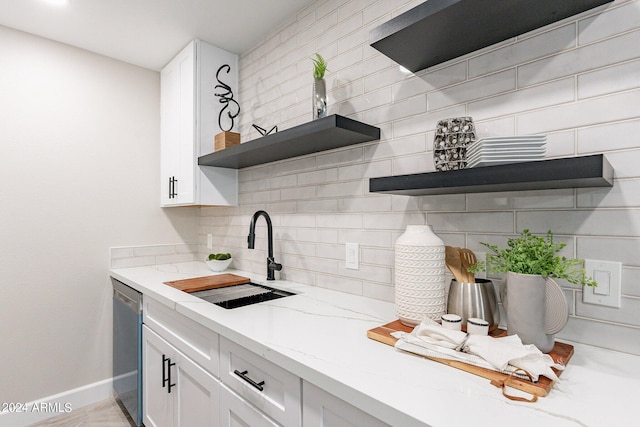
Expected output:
(608, 274)
(209, 241)
(352, 256)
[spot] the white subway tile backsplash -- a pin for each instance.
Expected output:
(618, 136)
(544, 44)
(413, 164)
(580, 60)
(617, 78)
(317, 206)
(605, 222)
(542, 199)
(397, 110)
(631, 282)
(627, 314)
(575, 81)
(625, 193)
(614, 20)
(477, 222)
(365, 170)
(425, 122)
(483, 87)
(374, 203)
(392, 221)
(414, 144)
(365, 237)
(550, 94)
(624, 250)
(430, 81)
(582, 113)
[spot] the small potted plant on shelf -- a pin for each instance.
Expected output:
(535, 304)
(218, 262)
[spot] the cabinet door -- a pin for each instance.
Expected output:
(176, 391)
(321, 409)
(177, 129)
(237, 412)
(157, 403)
(197, 397)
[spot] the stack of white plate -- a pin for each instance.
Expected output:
(497, 150)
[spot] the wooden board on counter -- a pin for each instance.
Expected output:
(208, 282)
(561, 353)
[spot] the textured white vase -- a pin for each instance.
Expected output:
(419, 275)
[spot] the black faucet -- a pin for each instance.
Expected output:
(272, 265)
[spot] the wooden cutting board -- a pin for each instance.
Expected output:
(561, 353)
(207, 282)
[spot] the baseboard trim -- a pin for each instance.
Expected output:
(57, 404)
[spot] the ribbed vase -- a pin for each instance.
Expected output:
(419, 275)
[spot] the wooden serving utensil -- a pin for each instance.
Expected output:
(468, 258)
(454, 263)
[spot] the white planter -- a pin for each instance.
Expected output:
(419, 275)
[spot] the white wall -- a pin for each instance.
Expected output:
(79, 166)
(576, 81)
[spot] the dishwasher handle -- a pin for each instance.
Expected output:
(126, 300)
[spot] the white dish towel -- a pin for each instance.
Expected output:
(504, 354)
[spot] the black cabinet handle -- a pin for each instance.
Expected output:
(172, 187)
(244, 376)
(166, 373)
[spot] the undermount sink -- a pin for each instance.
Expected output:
(240, 295)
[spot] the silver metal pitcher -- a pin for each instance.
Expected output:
(474, 300)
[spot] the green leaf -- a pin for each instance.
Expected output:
(319, 66)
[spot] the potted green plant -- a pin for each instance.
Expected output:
(319, 96)
(535, 304)
(218, 262)
(529, 254)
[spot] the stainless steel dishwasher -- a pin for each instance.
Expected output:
(127, 349)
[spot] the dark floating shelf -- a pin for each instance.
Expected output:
(439, 30)
(572, 172)
(319, 135)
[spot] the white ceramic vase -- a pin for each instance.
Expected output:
(419, 275)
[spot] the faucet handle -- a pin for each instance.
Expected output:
(273, 265)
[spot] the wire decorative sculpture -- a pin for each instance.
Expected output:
(263, 131)
(226, 99)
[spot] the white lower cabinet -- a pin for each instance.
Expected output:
(194, 378)
(176, 391)
(321, 409)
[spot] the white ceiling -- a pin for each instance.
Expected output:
(149, 33)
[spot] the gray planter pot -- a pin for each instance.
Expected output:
(536, 309)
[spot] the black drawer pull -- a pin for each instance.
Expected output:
(244, 376)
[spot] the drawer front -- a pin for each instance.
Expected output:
(322, 409)
(196, 341)
(270, 388)
(235, 411)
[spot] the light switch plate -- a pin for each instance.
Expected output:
(608, 274)
(352, 256)
(209, 241)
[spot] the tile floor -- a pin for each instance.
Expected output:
(106, 413)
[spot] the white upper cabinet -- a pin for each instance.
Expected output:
(190, 113)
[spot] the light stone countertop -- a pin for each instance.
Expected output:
(320, 335)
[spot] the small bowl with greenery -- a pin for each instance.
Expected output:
(218, 262)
